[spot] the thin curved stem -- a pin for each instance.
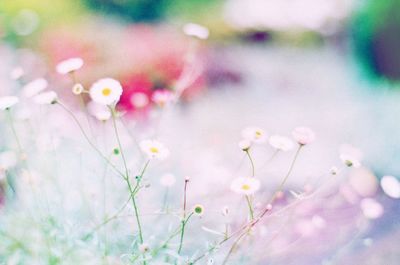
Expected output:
(251, 210)
(184, 222)
(244, 229)
(88, 139)
(119, 142)
(184, 216)
(287, 174)
(131, 190)
(251, 162)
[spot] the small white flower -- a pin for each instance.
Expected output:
(281, 142)
(34, 87)
(49, 97)
(245, 186)
(334, 170)
(162, 97)
(139, 100)
(16, 73)
(106, 91)
(168, 180)
(391, 186)
(198, 209)
(196, 30)
(350, 155)
(244, 145)
(99, 111)
(154, 149)
(349, 160)
(77, 89)
(254, 134)
(303, 135)
(143, 248)
(69, 65)
(371, 208)
(7, 102)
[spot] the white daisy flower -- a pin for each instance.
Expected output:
(154, 149)
(34, 87)
(371, 208)
(106, 91)
(254, 134)
(99, 111)
(349, 160)
(391, 186)
(334, 170)
(69, 65)
(196, 30)
(281, 142)
(303, 135)
(244, 145)
(245, 186)
(49, 97)
(77, 89)
(7, 102)
(350, 155)
(198, 209)
(167, 180)
(162, 97)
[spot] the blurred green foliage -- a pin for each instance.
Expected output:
(376, 38)
(154, 10)
(134, 10)
(51, 13)
(47, 12)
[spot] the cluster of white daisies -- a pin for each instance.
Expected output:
(255, 135)
(104, 93)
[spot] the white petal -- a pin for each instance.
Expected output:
(391, 186)
(7, 102)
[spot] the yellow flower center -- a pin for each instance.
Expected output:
(245, 187)
(154, 149)
(258, 134)
(106, 91)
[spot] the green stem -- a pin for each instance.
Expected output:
(251, 162)
(131, 190)
(244, 230)
(288, 173)
(183, 225)
(184, 216)
(135, 207)
(119, 142)
(251, 210)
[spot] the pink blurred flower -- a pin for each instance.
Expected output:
(303, 135)
(137, 92)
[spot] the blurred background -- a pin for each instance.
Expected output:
(332, 65)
